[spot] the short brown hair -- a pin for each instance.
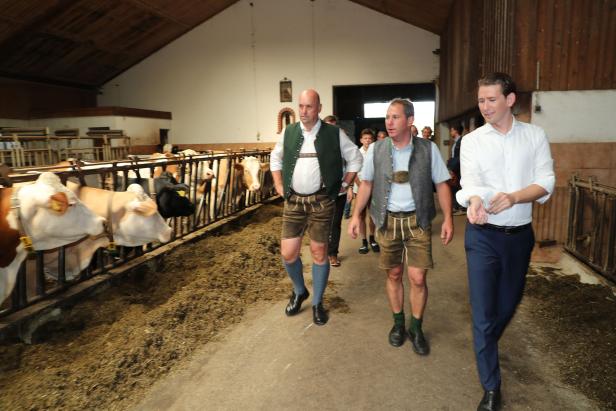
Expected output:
(502, 79)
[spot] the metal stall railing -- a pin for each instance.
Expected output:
(214, 200)
(592, 225)
(35, 151)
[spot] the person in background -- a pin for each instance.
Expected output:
(506, 165)
(381, 134)
(366, 139)
(398, 172)
(306, 167)
(426, 133)
(453, 164)
(414, 132)
(342, 199)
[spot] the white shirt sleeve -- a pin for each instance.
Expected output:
(471, 181)
(276, 155)
(544, 168)
(367, 170)
(439, 169)
(350, 153)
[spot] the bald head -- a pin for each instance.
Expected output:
(309, 108)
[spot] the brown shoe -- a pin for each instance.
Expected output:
(333, 261)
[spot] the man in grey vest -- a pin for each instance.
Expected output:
(306, 166)
(399, 172)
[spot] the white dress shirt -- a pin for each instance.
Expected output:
(492, 162)
(307, 173)
(401, 195)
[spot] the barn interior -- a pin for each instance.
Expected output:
(105, 80)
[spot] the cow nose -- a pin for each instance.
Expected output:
(255, 186)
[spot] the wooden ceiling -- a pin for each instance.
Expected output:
(85, 43)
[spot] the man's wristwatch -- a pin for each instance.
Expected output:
(345, 184)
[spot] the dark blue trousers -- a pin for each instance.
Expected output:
(497, 265)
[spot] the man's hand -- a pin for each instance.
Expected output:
(349, 196)
(447, 231)
(475, 212)
(500, 202)
(279, 189)
(353, 228)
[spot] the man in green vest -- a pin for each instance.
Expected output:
(306, 165)
(399, 172)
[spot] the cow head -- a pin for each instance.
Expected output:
(251, 167)
(53, 216)
(172, 198)
(141, 223)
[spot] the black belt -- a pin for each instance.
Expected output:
(321, 190)
(401, 214)
(505, 229)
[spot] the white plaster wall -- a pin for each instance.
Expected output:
(583, 116)
(220, 88)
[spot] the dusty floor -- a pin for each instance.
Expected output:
(116, 344)
(580, 323)
(112, 348)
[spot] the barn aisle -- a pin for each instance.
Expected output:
(272, 362)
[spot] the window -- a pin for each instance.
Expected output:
(424, 112)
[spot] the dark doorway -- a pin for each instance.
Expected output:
(349, 102)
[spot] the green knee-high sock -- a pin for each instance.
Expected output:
(415, 326)
(399, 318)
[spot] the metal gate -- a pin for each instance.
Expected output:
(592, 225)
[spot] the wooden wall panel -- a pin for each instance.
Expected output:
(573, 42)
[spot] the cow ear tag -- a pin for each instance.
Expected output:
(55, 205)
(27, 242)
(181, 193)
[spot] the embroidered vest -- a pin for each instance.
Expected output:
(420, 179)
(327, 145)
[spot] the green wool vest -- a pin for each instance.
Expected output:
(329, 156)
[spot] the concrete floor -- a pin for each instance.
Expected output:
(273, 362)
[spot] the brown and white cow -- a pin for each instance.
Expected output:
(46, 213)
(132, 216)
(243, 176)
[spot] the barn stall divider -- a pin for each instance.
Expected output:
(215, 201)
(591, 235)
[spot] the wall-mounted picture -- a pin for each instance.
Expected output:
(286, 91)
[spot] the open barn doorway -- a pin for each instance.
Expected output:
(364, 106)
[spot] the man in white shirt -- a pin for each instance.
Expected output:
(307, 166)
(505, 166)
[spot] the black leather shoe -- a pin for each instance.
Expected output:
(319, 315)
(364, 249)
(375, 246)
(490, 401)
(295, 303)
(420, 345)
(397, 335)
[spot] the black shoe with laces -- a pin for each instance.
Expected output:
(490, 401)
(375, 246)
(397, 335)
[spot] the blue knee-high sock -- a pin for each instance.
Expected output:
(296, 272)
(320, 274)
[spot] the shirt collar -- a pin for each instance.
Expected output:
(490, 128)
(314, 130)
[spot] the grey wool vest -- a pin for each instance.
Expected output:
(420, 179)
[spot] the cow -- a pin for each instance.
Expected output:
(133, 220)
(243, 176)
(39, 216)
